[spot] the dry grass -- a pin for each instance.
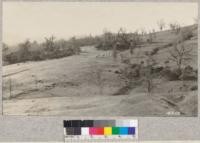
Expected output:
(65, 86)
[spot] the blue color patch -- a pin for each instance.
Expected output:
(131, 130)
(123, 131)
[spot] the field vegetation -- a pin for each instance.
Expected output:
(141, 73)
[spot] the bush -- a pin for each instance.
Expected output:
(188, 73)
(170, 75)
(50, 49)
(154, 51)
(12, 58)
(36, 56)
(130, 74)
(106, 41)
(158, 70)
(195, 87)
(175, 27)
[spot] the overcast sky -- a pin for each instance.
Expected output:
(36, 20)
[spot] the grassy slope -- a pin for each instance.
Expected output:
(74, 92)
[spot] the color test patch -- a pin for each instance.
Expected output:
(123, 130)
(100, 129)
(96, 131)
(85, 131)
(115, 130)
(107, 130)
(131, 130)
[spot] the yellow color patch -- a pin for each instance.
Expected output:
(107, 131)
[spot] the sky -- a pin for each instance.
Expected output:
(36, 20)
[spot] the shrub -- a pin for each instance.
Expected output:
(50, 49)
(124, 59)
(158, 70)
(171, 75)
(130, 74)
(188, 74)
(106, 41)
(195, 87)
(125, 41)
(12, 58)
(175, 27)
(154, 51)
(24, 51)
(36, 56)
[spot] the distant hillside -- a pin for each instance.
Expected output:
(142, 83)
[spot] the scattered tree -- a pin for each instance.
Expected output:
(134, 42)
(24, 51)
(180, 54)
(49, 47)
(175, 27)
(123, 38)
(147, 73)
(114, 51)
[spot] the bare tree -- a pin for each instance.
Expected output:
(123, 36)
(161, 24)
(175, 27)
(75, 45)
(128, 40)
(180, 54)
(49, 43)
(134, 41)
(132, 46)
(49, 50)
(107, 40)
(147, 73)
(114, 51)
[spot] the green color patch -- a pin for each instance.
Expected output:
(115, 130)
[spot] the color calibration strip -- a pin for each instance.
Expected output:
(100, 130)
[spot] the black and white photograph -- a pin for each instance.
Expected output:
(100, 59)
